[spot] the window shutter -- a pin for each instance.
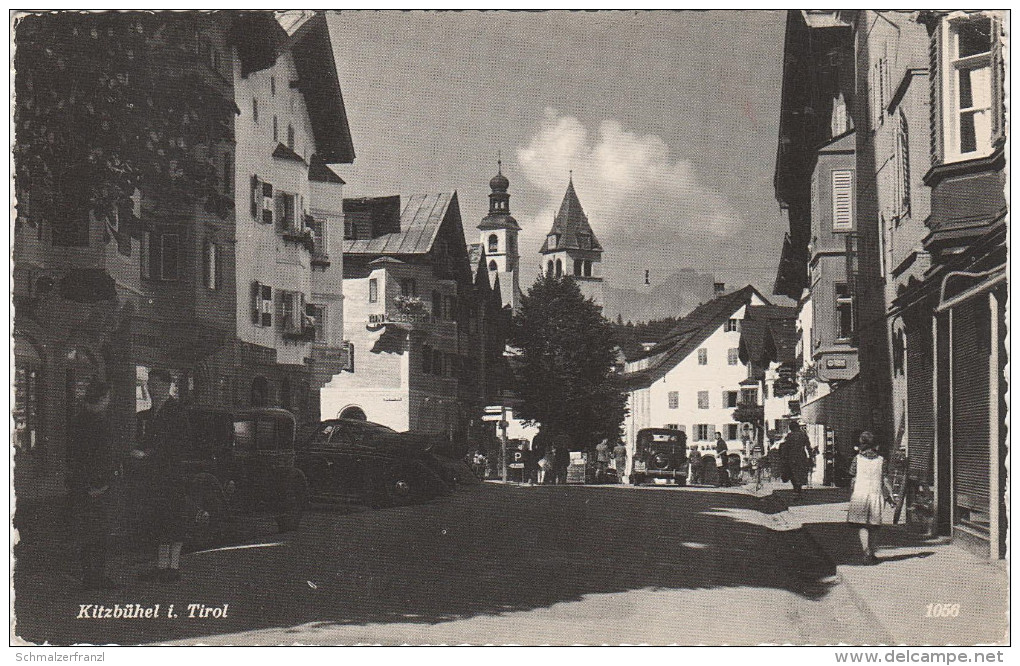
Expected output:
(256, 303)
(935, 96)
(256, 198)
(300, 311)
(842, 199)
(998, 74)
(267, 203)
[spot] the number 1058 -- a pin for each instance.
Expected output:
(942, 610)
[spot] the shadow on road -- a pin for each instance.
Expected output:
(488, 550)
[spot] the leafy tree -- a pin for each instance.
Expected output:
(565, 368)
(114, 102)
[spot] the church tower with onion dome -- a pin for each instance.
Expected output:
(498, 235)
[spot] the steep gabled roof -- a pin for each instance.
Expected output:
(319, 82)
(689, 333)
(420, 220)
(768, 333)
(570, 222)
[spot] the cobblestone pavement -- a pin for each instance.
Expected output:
(492, 564)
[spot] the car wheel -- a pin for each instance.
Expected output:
(408, 484)
(294, 501)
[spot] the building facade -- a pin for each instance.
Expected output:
(161, 284)
(692, 380)
(571, 247)
(954, 311)
(817, 185)
(412, 316)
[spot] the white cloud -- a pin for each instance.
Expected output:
(647, 207)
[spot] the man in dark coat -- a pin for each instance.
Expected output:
(795, 453)
(163, 431)
(721, 451)
(91, 472)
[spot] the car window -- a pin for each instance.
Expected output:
(347, 434)
(244, 436)
(265, 434)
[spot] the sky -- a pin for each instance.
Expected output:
(668, 120)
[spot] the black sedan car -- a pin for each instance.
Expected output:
(349, 459)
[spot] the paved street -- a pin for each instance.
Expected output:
(491, 564)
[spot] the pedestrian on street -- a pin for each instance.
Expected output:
(91, 473)
(545, 468)
(721, 452)
(620, 460)
(868, 487)
(601, 460)
(795, 452)
(694, 466)
(163, 430)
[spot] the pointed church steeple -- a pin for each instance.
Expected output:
(570, 229)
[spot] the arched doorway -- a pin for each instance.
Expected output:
(356, 413)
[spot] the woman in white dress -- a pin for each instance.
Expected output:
(869, 485)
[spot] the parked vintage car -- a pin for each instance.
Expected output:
(660, 453)
(241, 463)
(346, 459)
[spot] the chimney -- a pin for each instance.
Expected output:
(718, 287)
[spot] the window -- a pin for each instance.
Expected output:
(732, 325)
(844, 312)
(587, 268)
(673, 397)
(672, 426)
(493, 243)
(730, 399)
(843, 200)
(731, 431)
(349, 230)
(262, 305)
(578, 267)
(493, 267)
(765, 391)
(290, 137)
(749, 396)
(255, 110)
(702, 432)
(286, 211)
(290, 311)
(426, 359)
(968, 88)
(702, 356)
(702, 399)
(211, 266)
(316, 315)
(552, 241)
(559, 268)
(160, 256)
(732, 356)
(373, 290)
(549, 270)
(409, 287)
(318, 228)
(902, 201)
(839, 121)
